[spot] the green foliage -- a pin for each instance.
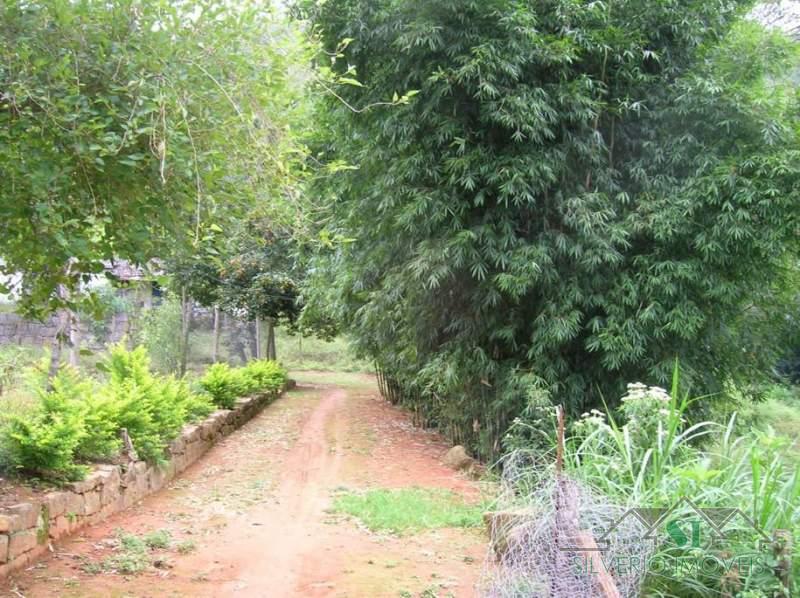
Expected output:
(409, 509)
(186, 546)
(159, 331)
(649, 455)
(578, 194)
(45, 441)
(296, 352)
(153, 409)
(108, 301)
(130, 557)
(101, 418)
(318, 353)
(78, 420)
(159, 539)
(132, 553)
(264, 374)
(260, 283)
(132, 129)
(12, 361)
(225, 384)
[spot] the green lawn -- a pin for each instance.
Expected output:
(408, 509)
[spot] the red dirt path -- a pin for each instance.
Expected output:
(257, 509)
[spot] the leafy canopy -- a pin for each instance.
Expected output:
(579, 193)
(133, 129)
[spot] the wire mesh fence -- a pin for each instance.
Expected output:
(549, 538)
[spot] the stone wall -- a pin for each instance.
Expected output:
(27, 529)
(15, 330)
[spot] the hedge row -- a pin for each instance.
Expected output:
(78, 420)
(225, 384)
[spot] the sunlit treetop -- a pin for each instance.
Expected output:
(136, 129)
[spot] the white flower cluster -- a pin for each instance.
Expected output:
(593, 419)
(646, 407)
(638, 391)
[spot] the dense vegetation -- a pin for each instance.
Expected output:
(134, 130)
(225, 384)
(77, 420)
(648, 453)
(506, 205)
(575, 195)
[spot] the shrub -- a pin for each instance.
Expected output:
(101, 417)
(177, 390)
(158, 539)
(45, 441)
(264, 375)
(79, 420)
(153, 409)
(225, 384)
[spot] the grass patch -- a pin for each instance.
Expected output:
(158, 539)
(409, 509)
(297, 353)
(132, 554)
(781, 410)
(186, 547)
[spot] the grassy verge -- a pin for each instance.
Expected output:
(408, 510)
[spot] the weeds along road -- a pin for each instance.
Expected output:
(254, 516)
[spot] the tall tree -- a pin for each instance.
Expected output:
(127, 126)
(260, 284)
(578, 194)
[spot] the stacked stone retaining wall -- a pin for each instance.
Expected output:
(27, 529)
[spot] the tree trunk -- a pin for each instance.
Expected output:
(259, 340)
(62, 331)
(74, 339)
(271, 339)
(215, 354)
(186, 322)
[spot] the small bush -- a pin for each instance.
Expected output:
(153, 409)
(186, 547)
(158, 539)
(101, 417)
(265, 375)
(225, 384)
(45, 441)
(79, 420)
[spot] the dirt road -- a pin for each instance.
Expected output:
(253, 517)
